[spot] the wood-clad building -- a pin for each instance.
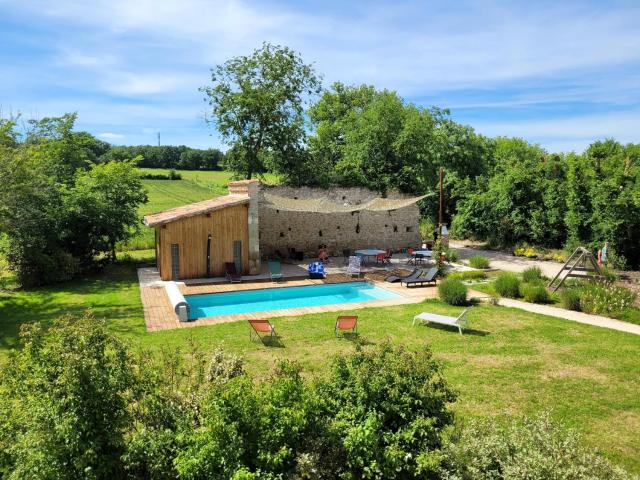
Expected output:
(196, 240)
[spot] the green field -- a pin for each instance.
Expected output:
(511, 363)
(195, 186)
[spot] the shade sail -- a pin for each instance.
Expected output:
(324, 205)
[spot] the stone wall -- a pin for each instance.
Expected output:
(281, 230)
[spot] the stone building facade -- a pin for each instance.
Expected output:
(284, 224)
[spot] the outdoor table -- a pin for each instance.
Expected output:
(423, 253)
(369, 252)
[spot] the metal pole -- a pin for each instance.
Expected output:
(441, 218)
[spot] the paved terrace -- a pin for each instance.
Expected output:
(159, 315)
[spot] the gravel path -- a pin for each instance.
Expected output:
(505, 261)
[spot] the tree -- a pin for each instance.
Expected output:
(257, 104)
(102, 209)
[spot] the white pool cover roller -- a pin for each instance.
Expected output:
(179, 304)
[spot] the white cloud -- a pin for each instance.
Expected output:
(569, 133)
(111, 135)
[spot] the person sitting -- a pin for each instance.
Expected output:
(323, 254)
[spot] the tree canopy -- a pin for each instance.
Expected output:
(257, 105)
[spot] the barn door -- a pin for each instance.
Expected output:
(237, 255)
(175, 261)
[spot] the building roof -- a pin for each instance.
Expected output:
(194, 209)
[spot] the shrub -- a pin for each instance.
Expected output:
(468, 275)
(525, 251)
(452, 255)
(532, 275)
(531, 448)
(453, 291)
(605, 299)
(478, 261)
(570, 299)
(507, 285)
(386, 409)
(172, 175)
(534, 293)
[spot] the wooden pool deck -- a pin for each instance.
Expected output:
(159, 315)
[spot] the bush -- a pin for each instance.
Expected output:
(452, 255)
(468, 275)
(507, 285)
(532, 275)
(525, 251)
(531, 448)
(386, 409)
(570, 299)
(453, 292)
(478, 261)
(172, 175)
(605, 299)
(534, 293)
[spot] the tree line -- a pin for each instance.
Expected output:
(177, 157)
(77, 402)
(271, 111)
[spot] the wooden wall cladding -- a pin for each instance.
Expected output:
(226, 226)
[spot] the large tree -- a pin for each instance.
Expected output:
(257, 104)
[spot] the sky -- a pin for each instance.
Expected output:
(560, 74)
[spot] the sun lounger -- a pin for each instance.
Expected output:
(344, 323)
(231, 273)
(396, 278)
(422, 278)
(263, 327)
(275, 270)
(460, 321)
(354, 267)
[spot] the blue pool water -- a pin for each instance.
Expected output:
(249, 301)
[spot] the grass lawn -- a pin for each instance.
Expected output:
(513, 362)
(195, 186)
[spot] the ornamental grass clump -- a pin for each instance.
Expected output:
(570, 299)
(479, 262)
(605, 298)
(534, 293)
(453, 292)
(532, 275)
(507, 285)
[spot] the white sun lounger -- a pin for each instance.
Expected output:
(460, 321)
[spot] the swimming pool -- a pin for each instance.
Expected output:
(249, 301)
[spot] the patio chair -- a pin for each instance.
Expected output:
(397, 278)
(381, 258)
(422, 278)
(275, 271)
(346, 322)
(261, 326)
(231, 273)
(460, 321)
(387, 257)
(355, 265)
(410, 258)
